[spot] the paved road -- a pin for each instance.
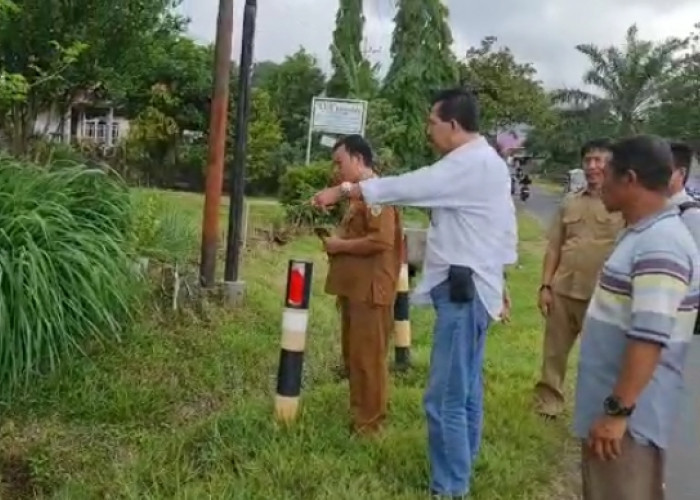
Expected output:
(542, 204)
(683, 462)
(683, 459)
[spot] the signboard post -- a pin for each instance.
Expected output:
(336, 116)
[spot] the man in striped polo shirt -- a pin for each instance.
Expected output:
(637, 330)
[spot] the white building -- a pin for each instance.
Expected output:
(86, 120)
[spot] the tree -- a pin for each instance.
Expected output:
(627, 80)
(678, 116)
(508, 92)
(13, 86)
(262, 72)
(558, 139)
(385, 127)
(352, 74)
(263, 169)
(153, 139)
(291, 88)
(65, 48)
(422, 62)
(184, 68)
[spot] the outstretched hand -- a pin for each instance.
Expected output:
(326, 197)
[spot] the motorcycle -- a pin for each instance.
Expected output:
(524, 193)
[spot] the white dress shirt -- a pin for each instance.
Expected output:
(690, 217)
(473, 219)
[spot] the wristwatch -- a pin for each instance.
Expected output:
(545, 287)
(346, 189)
(613, 407)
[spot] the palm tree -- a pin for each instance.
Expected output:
(627, 81)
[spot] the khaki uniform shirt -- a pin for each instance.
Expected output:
(368, 278)
(585, 234)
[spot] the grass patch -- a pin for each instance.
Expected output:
(185, 411)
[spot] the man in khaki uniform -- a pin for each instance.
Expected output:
(365, 260)
(581, 238)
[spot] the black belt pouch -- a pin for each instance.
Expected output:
(461, 283)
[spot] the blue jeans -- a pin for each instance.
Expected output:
(454, 397)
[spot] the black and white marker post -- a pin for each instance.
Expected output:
(402, 322)
(295, 319)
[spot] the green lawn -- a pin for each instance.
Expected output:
(184, 410)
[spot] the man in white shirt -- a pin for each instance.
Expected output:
(471, 238)
(682, 480)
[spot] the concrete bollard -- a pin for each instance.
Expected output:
(402, 322)
(295, 319)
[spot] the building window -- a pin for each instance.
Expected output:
(101, 132)
(115, 132)
(90, 129)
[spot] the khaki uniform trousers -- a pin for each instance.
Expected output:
(562, 327)
(637, 474)
(365, 330)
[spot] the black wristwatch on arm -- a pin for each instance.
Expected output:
(614, 408)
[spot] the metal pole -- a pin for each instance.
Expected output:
(310, 134)
(235, 221)
(217, 143)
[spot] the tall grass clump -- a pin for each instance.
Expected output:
(66, 275)
(160, 232)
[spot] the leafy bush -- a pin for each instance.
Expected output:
(66, 276)
(42, 151)
(297, 187)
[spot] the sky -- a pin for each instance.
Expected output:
(543, 32)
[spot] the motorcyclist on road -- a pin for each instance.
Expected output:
(525, 187)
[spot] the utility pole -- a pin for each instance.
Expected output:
(233, 286)
(217, 143)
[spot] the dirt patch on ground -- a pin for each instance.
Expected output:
(16, 482)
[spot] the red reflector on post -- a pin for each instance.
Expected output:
(296, 286)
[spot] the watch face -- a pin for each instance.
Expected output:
(612, 405)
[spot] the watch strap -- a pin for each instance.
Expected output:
(345, 189)
(614, 408)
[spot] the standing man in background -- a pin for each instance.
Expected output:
(365, 260)
(684, 441)
(637, 331)
(471, 238)
(580, 239)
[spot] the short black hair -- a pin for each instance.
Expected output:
(682, 157)
(460, 105)
(648, 156)
(356, 145)
(600, 144)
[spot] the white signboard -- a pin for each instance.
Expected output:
(328, 141)
(336, 116)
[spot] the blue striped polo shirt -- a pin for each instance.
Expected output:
(648, 289)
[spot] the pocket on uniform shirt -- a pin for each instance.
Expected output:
(460, 280)
(572, 220)
(607, 226)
